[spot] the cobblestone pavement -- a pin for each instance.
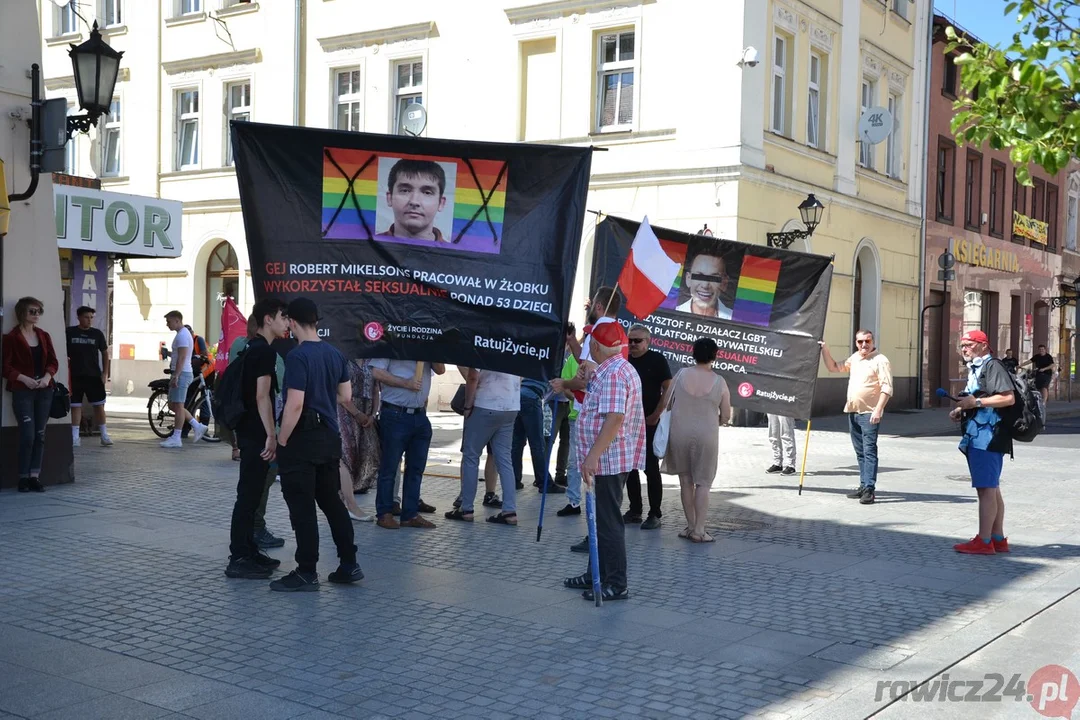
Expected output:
(115, 604)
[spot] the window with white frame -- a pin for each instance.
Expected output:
(110, 142)
(408, 88)
(348, 98)
(110, 13)
(189, 7)
(781, 85)
(893, 156)
(65, 21)
(187, 129)
(71, 149)
(238, 107)
(866, 150)
(616, 66)
(900, 7)
(814, 99)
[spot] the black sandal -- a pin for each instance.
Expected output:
(608, 593)
(503, 519)
(457, 514)
(578, 582)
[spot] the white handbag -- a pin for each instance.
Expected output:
(663, 427)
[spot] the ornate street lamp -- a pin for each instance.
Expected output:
(96, 66)
(1063, 300)
(810, 211)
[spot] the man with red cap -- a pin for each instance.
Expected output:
(611, 438)
(986, 439)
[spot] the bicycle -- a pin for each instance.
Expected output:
(163, 420)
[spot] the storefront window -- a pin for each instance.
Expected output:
(976, 311)
(222, 278)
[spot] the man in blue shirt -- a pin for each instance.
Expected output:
(309, 451)
(986, 439)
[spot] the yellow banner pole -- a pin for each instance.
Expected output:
(806, 448)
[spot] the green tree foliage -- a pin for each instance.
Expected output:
(1027, 97)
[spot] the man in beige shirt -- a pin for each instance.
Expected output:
(870, 385)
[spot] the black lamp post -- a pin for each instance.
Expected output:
(1063, 300)
(810, 211)
(96, 66)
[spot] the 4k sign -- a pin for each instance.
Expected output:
(89, 286)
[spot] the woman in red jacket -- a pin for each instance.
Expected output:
(29, 367)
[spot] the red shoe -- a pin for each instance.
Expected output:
(975, 546)
(1000, 545)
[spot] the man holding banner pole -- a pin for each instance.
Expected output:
(611, 435)
(600, 311)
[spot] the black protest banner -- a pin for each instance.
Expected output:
(764, 307)
(414, 248)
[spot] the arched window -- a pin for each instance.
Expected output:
(222, 281)
(866, 290)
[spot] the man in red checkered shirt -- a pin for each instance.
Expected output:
(611, 436)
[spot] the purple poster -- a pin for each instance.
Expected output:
(90, 286)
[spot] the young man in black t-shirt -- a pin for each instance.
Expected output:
(655, 376)
(1043, 362)
(309, 451)
(256, 437)
(88, 356)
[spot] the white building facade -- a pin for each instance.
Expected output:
(694, 138)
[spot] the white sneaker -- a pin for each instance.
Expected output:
(76, 441)
(106, 440)
(171, 442)
(198, 431)
(362, 518)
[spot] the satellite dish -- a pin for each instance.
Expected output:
(413, 119)
(875, 125)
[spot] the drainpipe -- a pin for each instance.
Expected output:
(920, 374)
(297, 36)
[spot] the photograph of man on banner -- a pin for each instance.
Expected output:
(419, 199)
(709, 275)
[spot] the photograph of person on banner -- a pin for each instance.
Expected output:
(710, 274)
(419, 199)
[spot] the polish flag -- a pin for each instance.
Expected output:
(647, 276)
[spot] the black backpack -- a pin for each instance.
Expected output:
(228, 405)
(1026, 417)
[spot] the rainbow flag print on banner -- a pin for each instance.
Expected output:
(457, 203)
(756, 291)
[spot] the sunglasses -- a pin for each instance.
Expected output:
(635, 341)
(864, 342)
(34, 311)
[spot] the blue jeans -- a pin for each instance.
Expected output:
(573, 469)
(408, 435)
(31, 409)
(530, 426)
(485, 426)
(864, 439)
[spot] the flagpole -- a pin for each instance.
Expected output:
(806, 448)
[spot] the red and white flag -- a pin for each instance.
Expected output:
(648, 274)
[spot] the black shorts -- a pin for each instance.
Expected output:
(90, 386)
(1042, 380)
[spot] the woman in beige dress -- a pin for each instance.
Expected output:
(700, 403)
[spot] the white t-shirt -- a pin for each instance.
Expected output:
(498, 391)
(723, 312)
(585, 346)
(181, 340)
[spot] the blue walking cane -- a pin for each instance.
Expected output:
(547, 474)
(594, 552)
